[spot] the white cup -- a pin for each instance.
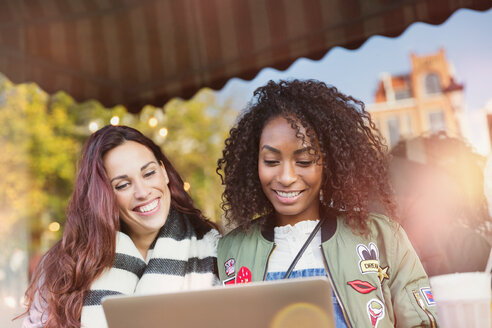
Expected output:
(463, 299)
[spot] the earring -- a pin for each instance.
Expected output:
(321, 195)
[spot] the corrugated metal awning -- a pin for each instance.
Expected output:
(137, 52)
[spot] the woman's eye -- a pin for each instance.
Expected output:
(270, 162)
(121, 186)
(148, 174)
(304, 163)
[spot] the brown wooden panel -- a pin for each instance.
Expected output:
(137, 52)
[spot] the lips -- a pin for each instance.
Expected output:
(287, 194)
(287, 197)
(362, 287)
(147, 208)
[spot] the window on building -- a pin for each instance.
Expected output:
(393, 130)
(402, 94)
(437, 121)
(432, 84)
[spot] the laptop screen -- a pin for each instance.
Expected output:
(296, 303)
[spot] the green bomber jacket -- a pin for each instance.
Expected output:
(378, 280)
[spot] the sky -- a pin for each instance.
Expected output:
(465, 36)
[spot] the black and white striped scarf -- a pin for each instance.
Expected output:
(183, 257)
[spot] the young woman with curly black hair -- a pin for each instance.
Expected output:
(301, 168)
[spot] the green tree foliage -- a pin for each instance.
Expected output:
(39, 152)
(196, 132)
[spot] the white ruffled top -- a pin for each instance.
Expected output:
(289, 240)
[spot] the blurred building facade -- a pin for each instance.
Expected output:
(427, 99)
(488, 114)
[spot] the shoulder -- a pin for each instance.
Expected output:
(244, 241)
(380, 227)
(390, 237)
(392, 240)
(207, 237)
(200, 227)
(240, 235)
(389, 231)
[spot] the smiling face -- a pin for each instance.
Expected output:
(140, 184)
(289, 174)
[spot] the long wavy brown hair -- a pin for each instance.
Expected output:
(64, 276)
(355, 163)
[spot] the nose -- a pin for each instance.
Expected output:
(141, 190)
(287, 174)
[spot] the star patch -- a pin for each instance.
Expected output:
(383, 274)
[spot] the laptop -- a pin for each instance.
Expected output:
(296, 303)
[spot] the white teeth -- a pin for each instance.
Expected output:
(148, 207)
(288, 194)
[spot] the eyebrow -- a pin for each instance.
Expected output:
(270, 148)
(126, 176)
(296, 152)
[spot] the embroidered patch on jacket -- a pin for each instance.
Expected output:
(369, 258)
(383, 274)
(230, 281)
(243, 276)
(427, 294)
(229, 267)
(363, 287)
(375, 310)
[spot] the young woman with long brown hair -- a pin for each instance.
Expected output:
(131, 228)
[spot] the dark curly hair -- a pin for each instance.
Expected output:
(355, 162)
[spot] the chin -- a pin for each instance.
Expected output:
(287, 213)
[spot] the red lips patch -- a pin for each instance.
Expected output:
(362, 287)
